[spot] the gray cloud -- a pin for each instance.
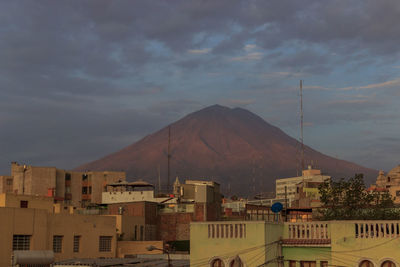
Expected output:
(80, 79)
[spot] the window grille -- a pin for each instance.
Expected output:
(21, 242)
(105, 243)
(77, 240)
(57, 243)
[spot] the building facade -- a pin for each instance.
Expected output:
(69, 236)
(311, 244)
(78, 189)
(286, 188)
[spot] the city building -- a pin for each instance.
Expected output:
(310, 244)
(389, 182)
(78, 189)
(286, 188)
(67, 235)
(123, 192)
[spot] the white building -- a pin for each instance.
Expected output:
(309, 175)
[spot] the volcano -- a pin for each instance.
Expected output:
(231, 146)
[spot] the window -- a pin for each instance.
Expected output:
(105, 243)
(67, 176)
(90, 189)
(84, 190)
(388, 264)
(57, 243)
(84, 177)
(135, 233)
(21, 242)
(77, 239)
(9, 181)
(324, 263)
(217, 263)
(236, 262)
(308, 263)
(366, 263)
(23, 204)
(292, 263)
(141, 232)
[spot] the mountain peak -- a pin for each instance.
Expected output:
(229, 145)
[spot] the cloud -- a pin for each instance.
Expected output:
(386, 84)
(248, 57)
(199, 51)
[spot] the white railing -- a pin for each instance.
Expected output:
(227, 230)
(315, 230)
(377, 230)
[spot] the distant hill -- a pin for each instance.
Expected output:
(231, 146)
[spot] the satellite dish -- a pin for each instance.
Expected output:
(276, 207)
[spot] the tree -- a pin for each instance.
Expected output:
(349, 200)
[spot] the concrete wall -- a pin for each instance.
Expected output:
(41, 226)
(34, 202)
(6, 184)
(349, 249)
(137, 247)
(257, 245)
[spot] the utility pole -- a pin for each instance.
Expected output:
(169, 158)
(159, 179)
(301, 126)
(286, 203)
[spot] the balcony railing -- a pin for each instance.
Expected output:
(308, 233)
(377, 230)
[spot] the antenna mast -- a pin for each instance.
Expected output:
(169, 157)
(301, 126)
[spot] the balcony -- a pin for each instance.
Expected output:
(307, 234)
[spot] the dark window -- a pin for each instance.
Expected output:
(67, 176)
(388, 264)
(217, 263)
(77, 240)
(84, 190)
(57, 243)
(84, 177)
(21, 242)
(9, 181)
(308, 263)
(105, 243)
(23, 204)
(366, 263)
(388, 179)
(90, 189)
(141, 232)
(135, 233)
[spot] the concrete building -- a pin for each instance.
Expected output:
(78, 189)
(309, 175)
(126, 192)
(389, 182)
(10, 200)
(67, 235)
(311, 244)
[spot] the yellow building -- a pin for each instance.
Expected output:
(311, 244)
(389, 182)
(69, 236)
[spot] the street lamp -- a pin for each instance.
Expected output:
(151, 248)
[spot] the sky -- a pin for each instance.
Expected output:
(82, 79)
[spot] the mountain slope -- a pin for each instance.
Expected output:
(232, 146)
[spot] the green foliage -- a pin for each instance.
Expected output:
(349, 200)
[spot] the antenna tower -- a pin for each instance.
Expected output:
(301, 126)
(169, 157)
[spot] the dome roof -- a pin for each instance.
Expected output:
(395, 172)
